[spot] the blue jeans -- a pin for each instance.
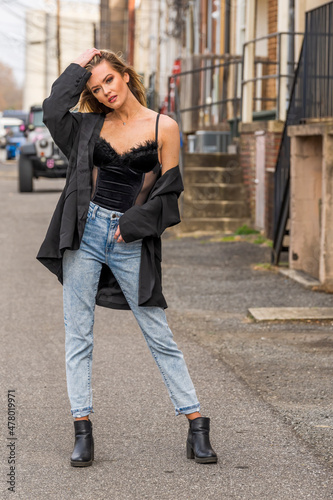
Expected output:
(81, 272)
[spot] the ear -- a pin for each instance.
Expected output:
(126, 77)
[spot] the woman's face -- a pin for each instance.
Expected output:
(108, 86)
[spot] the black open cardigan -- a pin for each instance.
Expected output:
(75, 134)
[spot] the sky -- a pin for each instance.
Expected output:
(12, 30)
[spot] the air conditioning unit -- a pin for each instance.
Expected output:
(212, 141)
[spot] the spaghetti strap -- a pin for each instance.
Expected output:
(156, 129)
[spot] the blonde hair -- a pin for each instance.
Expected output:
(88, 102)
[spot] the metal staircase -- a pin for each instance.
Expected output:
(311, 97)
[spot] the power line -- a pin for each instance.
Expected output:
(44, 13)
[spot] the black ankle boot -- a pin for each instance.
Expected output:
(198, 445)
(83, 453)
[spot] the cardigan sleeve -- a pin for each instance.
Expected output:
(158, 213)
(63, 124)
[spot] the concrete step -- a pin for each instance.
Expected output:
(225, 175)
(210, 160)
(214, 192)
(223, 224)
(232, 209)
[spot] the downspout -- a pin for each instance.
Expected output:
(227, 27)
(291, 42)
(226, 69)
(131, 31)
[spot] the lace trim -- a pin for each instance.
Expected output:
(104, 154)
(147, 146)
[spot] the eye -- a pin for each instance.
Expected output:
(95, 91)
(109, 79)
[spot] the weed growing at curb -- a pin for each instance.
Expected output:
(261, 239)
(265, 266)
(246, 230)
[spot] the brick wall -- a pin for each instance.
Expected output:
(273, 140)
(273, 132)
(248, 161)
(272, 52)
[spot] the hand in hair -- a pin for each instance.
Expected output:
(87, 56)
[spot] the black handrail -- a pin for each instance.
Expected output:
(235, 100)
(311, 97)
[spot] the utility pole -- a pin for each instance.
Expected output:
(158, 55)
(58, 37)
(46, 50)
(96, 44)
(131, 31)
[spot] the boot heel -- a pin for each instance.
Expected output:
(189, 451)
(83, 453)
(198, 435)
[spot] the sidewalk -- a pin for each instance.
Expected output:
(139, 443)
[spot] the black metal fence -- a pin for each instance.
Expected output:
(311, 97)
(208, 80)
(269, 73)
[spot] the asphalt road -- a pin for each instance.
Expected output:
(139, 443)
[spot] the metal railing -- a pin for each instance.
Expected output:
(267, 95)
(311, 97)
(212, 94)
(197, 87)
(282, 170)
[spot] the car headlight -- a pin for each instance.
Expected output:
(43, 143)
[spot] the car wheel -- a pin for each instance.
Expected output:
(25, 174)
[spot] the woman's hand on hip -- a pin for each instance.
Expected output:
(118, 237)
(87, 56)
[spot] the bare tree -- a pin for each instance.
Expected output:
(177, 17)
(10, 91)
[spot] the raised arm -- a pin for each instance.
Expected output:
(63, 124)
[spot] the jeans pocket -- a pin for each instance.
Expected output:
(89, 214)
(134, 243)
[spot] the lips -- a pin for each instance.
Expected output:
(112, 98)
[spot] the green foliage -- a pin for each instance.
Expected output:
(246, 230)
(228, 238)
(264, 266)
(259, 240)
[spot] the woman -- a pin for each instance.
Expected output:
(103, 242)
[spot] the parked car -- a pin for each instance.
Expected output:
(15, 138)
(39, 156)
(5, 124)
(16, 113)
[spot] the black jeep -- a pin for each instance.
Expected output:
(39, 156)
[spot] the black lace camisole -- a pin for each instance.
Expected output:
(124, 180)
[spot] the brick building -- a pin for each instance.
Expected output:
(239, 57)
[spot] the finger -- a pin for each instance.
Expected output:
(119, 236)
(87, 56)
(97, 51)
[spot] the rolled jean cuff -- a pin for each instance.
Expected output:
(82, 412)
(188, 409)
